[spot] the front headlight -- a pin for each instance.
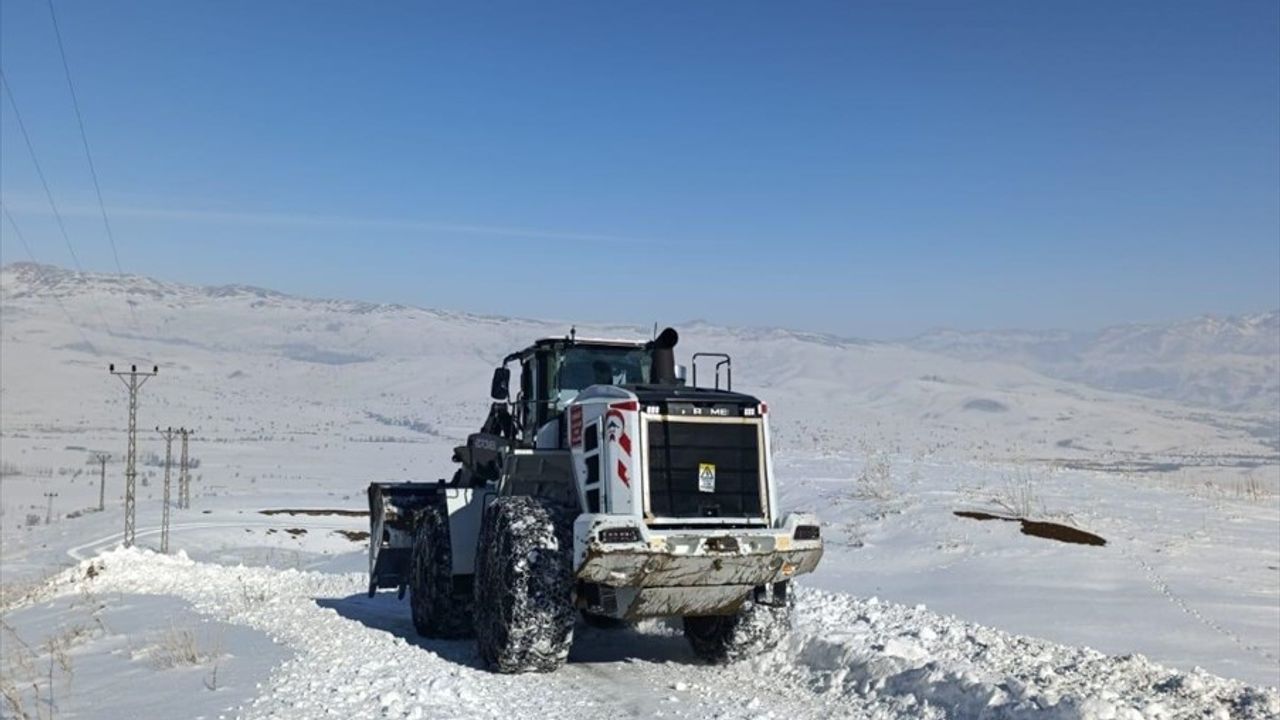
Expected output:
(807, 532)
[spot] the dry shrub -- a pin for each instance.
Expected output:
(180, 647)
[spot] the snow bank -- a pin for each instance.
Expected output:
(847, 657)
(846, 646)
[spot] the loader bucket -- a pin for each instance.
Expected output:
(393, 508)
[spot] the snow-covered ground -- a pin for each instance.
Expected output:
(914, 611)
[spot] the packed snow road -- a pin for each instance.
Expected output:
(358, 657)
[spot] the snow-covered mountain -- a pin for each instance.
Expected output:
(1223, 362)
(276, 359)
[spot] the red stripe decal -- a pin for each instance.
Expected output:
(624, 441)
(622, 474)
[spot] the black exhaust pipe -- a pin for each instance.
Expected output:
(664, 357)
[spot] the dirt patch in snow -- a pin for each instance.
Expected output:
(355, 536)
(1041, 529)
(315, 512)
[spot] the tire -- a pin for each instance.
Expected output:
(755, 629)
(438, 612)
(524, 612)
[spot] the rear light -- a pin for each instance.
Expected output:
(619, 535)
(764, 408)
(807, 532)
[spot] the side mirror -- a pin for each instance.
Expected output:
(501, 384)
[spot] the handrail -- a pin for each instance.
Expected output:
(725, 362)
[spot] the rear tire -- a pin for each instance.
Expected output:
(524, 611)
(438, 612)
(755, 629)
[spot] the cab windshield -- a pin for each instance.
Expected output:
(582, 367)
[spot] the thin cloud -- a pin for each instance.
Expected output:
(300, 220)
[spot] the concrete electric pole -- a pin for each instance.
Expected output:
(168, 461)
(48, 514)
(102, 459)
(132, 380)
(184, 473)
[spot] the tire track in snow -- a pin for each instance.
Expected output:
(89, 549)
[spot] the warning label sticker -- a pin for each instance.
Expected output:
(706, 477)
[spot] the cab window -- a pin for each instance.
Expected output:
(585, 366)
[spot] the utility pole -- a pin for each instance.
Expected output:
(48, 514)
(168, 460)
(102, 459)
(132, 380)
(184, 473)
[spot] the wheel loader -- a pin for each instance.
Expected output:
(609, 488)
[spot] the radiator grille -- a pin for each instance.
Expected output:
(677, 453)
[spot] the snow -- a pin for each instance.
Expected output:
(112, 649)
(914, 612)
(1186, 577)
(846, 657)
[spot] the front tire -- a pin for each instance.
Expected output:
(755, 629)
(438, 612)
(524, 605)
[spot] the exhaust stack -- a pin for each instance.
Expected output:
(664, 357)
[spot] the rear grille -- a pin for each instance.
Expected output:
(677, 453)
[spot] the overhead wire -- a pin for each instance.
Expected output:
(22, 128)
(27, 246)
(84, 141)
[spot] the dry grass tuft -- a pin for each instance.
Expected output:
(180, 647)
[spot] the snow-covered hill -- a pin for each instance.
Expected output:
(283, 362)
(1231, 363)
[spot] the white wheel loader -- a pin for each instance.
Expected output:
(608, 488)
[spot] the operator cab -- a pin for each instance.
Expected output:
(554, 370)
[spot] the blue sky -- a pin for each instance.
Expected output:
(872, 169)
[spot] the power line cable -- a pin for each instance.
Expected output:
(22, 127)
(65, 311)
(84, 140)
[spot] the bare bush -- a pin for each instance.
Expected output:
(179, 647)
(57, 647)
(874, 482)
(1018, 496)
(13, 698)
(20, 680)
(1254, 489)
